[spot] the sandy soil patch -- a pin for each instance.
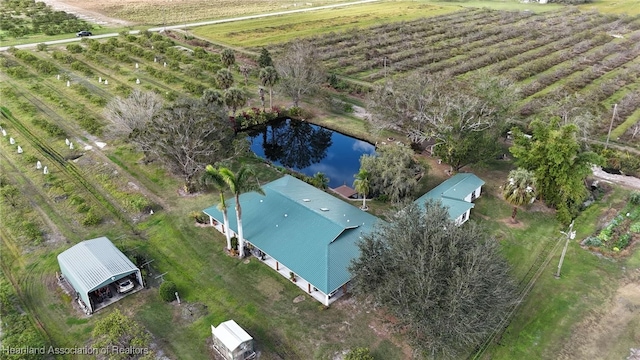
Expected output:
(88, 11)
(596, 335)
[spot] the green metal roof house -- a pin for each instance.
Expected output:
(303, 230)
(457, 194)
(91, 266)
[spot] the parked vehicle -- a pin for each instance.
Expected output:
(125, 286)
(83, 33)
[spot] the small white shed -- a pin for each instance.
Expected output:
(232, 342)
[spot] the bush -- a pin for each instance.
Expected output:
(91, 218)
(592, 241)
(634, 198)
(168, 291)
(360, 353)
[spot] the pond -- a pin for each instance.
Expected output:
(310, 149)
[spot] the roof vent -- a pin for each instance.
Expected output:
(306, 200)
(324, 209)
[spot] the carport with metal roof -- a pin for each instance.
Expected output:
(92, 265)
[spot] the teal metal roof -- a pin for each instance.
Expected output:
(452, 193)
(92, 264)
(307, 230)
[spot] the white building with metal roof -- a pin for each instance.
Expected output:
(232, 342)
(92, 267)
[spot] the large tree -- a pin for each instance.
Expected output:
(242, 181)
(130, 115)
(463, 117)
(393, 172)
(519, 189)
(213, 177)
(447, 285)
(188, 135)
(558, 161)
(300, 69)
(117, 331)
(269, 77)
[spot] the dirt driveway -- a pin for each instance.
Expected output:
(82, 9)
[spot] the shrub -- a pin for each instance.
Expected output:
(91, 218)
(635, 228)
(592, 241)
(360, 353)
(199, 217)
(41, 47)
(634, 198)
(75, 48)
(168, 291)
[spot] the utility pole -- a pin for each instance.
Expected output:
(570, 236)
(615, 106)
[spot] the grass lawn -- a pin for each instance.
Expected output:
(268, 31)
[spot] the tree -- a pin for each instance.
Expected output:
(360, 353)
(301, 71)
(224, 78)
(189, 134)
(227, 57)
(242, 181)
(269, 77)
(558, 162)
(117, 331)
(131, 115)
(392, 172)
(447, 285)
(361, 185)
(265, 58)
(213, 97)
(234, 98)
(464, 117)
(245, 70)
(519, 189)
(320, 180)
(212, 177)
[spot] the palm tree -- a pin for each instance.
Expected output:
(240, 182)
(213, 177)
(227, 57)
(362, 186)
(224, 78)
(213, 96)
(520, 189)
(234, 98)
(269, 77)
(320, 180)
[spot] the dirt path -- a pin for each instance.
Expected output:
(626, 181)
(86, 14)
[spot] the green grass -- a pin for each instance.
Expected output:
(624, 7)
(267, 31)
(544, 321)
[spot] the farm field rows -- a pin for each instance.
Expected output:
(550, 56)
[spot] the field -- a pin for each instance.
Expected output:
(94, 190)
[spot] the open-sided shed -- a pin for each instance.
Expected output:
(93, 265)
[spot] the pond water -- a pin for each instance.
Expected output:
(310, 149)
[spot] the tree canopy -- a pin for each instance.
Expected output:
(392, 172)
(188, 135)
(463, 117)
(300, 70)
(558, 161)
(130, 115)
(448, 286)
